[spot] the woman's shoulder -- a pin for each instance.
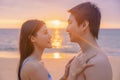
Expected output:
(33, 66)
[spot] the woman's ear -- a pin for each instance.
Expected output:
(32, 38)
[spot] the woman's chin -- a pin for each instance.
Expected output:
(49, 46)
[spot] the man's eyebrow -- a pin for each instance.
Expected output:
(68, 20)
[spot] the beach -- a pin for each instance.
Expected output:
(54, 63)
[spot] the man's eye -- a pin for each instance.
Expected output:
(69, 22)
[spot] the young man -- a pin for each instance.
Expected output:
(83, 28)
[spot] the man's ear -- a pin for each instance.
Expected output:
(32, 38)
(84, 25)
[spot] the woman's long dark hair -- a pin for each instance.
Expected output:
(29, 28)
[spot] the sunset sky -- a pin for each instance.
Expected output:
(54, 12)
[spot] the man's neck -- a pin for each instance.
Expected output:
(88, 44)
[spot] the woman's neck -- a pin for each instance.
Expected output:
(37, 53)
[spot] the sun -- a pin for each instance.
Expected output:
(56, 22)
(56, 55)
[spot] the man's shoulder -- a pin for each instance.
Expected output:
(101, 68)
(100, 61)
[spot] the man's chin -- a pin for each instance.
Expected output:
(72, 40)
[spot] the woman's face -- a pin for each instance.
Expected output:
(42, 38)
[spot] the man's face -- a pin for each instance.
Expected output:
(73, 29)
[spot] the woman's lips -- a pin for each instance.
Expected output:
(49, 41)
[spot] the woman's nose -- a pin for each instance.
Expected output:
(67, 29)
(50, 35)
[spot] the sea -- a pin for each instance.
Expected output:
(109, 41)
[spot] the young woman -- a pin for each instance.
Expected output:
(34, 38)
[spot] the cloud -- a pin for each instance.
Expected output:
(48, 9)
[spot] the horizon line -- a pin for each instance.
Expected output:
(57, 28)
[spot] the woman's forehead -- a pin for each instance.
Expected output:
(43, 28)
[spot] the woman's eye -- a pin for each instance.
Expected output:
(45, 32)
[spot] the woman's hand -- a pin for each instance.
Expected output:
(79, 64)
(67, 67)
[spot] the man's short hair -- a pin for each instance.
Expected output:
(91, 13)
